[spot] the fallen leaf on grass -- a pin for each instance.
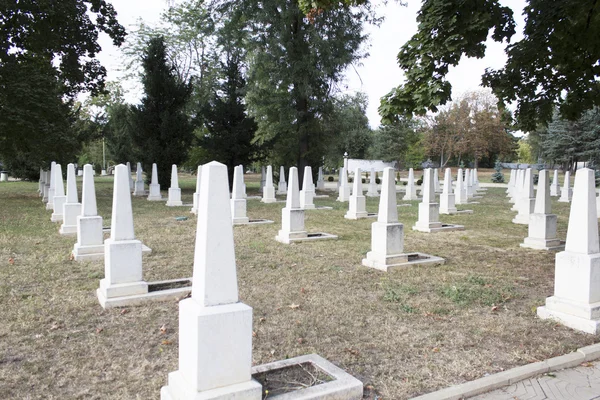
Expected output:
(71, 257)
(166, 342)
(495, 308)
(262, 319)
(253, 333)
(294, 306)
(300, 340)
(436, 349)
(124, 311)
(163, 329)
(11, 261)
(55, 327)
(587, 364)
(98, 330)
(354, 352)
(302, 290)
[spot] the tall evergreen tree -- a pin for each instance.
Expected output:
(162, 131)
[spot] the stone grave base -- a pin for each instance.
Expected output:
(176, 204)
(157, 198)
(320, 196)
(287, 239)
(543, 244)
(253, 197)
(320, 208)
(401, 260)
(176, 390)
(404, 205)
(442, 228)
(56, 217)
(253, 221)
(341, 386)
(572, 321)
(360, 216)
(68, 230)
(88, 253)
(157, 291)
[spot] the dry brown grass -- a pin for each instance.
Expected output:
(404, 333)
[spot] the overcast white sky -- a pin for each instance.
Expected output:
(377, 75)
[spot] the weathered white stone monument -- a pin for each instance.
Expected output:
(447, 201)
(429, 217)
(194, 209)
(411, 190)
(46, 186)
(50, 202)
(576, 300)
(238, 201)
(215, 328)
(41, 182)
(268, 190)
(320, 180)
(59, 195)
(542, 224)
(436, 181)
(72, 207)
(139, 190)
(123, 283)
(461, 190)
(154, 192)
(387, 234)
(357, 207)
(372, 191)
(292, 216)
(344, 189)
(263, 178)
(469, 184)
(527, 201)
(174, 191)
(131, 183)
(566, 193)
(307, 193)
(555, 187)
(518, 189)
(90, 238)
(282, 186)
(511, 184)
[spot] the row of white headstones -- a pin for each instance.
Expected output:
(577, 293)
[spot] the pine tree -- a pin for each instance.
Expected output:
(498, 177)
(162, 131)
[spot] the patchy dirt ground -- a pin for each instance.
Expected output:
(403, 334)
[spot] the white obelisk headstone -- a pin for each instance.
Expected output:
(357, 207)
(566, 193)
(344, 189)
(215, 329)
(72, 207)
(154, 192)
(282, 186)
(461, 190)
(90, 239)
(50, 202)
(131, 183)
(268, 190)
(320, 180)
(307, 193)
(411, 190)
(527, 201)
(59, 195)
(194, 209)
(292, 216)
(174, 191)
(576, 300)
(555, 187)
(542, 224)
(447, 201)
(122, 251)
(238, 201)
(139, 190)
(372, 191)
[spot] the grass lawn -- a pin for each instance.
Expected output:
(404, 333)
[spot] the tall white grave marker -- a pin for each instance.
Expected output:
(576, 300)
(372, 191)
(59, 195)
(194, 209)
(566, 193)
(447, 201)
(174, 191)
(282, 186)
(542, 224)
(139, 190)
(238, 201)
(411, 190)
(429, 216)
(307, 193)
(357, 207)
(72, 207)
(344, 189)
(527, 201)
(320, 180)
(215, 328)
(154, 192)
(131, 183)
(90, 239)
(268, 190)
(555, 187)
(50, 202)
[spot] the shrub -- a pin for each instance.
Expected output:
(330, 179)
(364, 180)
(536, 178)
(378, 181)
(404, 183)
(350, 179)
(497, 176)
(420, 182)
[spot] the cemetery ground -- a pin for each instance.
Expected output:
(403, 333)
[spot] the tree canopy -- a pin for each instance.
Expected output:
(554, 65)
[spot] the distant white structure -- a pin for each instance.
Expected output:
(367, 165)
